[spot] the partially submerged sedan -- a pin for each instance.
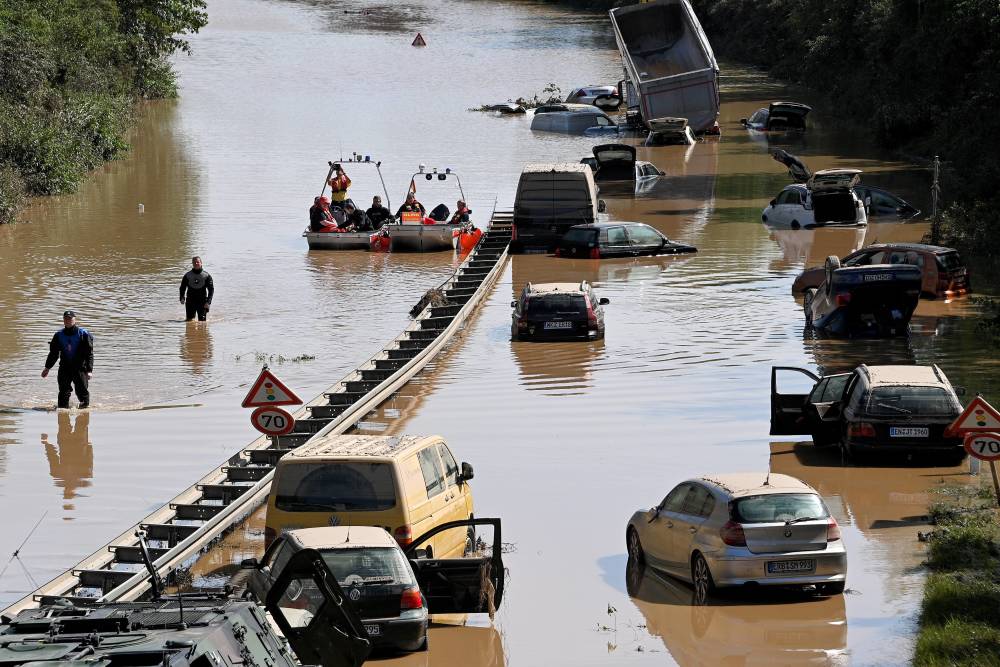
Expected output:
(873, 409)
(741, 529)
(827, 199)
(876, 300)
(778, 117)
(944, 275)
(612, 163)
(617, 239)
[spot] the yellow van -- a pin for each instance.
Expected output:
(406, 484)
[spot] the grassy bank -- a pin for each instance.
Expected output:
(959, 624)
(71, 72)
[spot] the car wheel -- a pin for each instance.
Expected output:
(832, 588)
(807, 300)
(423, 646)
(795, 224)
(701, 577)
(634, 546)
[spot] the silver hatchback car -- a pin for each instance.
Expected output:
(742, 528)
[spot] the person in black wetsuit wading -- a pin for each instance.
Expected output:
(73, 347)
(199, 287)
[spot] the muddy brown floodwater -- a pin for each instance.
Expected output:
(567, 439)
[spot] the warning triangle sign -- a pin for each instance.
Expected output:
(978, 417)
(269, 390)
(418, 40)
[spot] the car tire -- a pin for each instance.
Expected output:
(633, 545)
(807, 300)
(795, 225)
(423, 646)
(701, 577)
(832, 588)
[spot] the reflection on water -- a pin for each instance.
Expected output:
(71, 457)
(196, 346)
(737, 628)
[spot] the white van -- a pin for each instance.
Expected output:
(575, 119)
(550, 199)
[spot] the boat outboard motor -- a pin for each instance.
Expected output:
(439, 213)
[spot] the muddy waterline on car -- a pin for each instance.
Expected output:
(567, 439)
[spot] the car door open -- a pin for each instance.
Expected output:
(787, 410)
(470, 584)
(310, 608)
(822, 410)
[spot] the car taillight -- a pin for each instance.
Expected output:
(861, 430)
(411, 599)
(732, 534)
(269, 535)
(513, 232)
(403, 535)
(843, 299)
(595, 253)
(558, 252)
(591, 315)
(832, 530)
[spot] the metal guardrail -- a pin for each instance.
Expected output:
(204, 511)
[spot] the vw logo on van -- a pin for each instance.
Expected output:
(355, 594)
(334, 521)
(788, 532)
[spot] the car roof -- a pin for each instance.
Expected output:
(916, 247)
(905, 375)
(796, 186)
(375, 446)
(604, 225)
(555, 288)
(547, 167)
(838, 172)
(740, 484)
(341, 537)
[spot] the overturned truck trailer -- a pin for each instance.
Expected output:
(668, 62)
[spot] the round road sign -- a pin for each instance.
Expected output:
(271, 420)
(985, 446)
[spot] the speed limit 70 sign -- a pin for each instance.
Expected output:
(271, 420)
(985, 446)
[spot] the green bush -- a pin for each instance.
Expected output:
(12, 194)
(958, 643)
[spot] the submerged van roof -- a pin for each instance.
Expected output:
(380, 446)
(554, 167)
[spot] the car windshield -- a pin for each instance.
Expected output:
(335, 487)
(775, 507)
(926, 401)
(556, 304)
(368, 565)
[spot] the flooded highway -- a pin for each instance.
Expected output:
(567, 440)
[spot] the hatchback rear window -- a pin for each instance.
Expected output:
(775, 507)
(373, 565)
(556, 304)
(580, 236)
(949, 261)
(925, 401)
(335, 487)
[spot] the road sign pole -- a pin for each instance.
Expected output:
(996, 482)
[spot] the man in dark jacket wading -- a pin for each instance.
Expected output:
(199, 287)
(73, 346)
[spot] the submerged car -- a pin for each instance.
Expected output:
(588, 94)
(876, 300)
(882, 203)
(572, 119)
(873, 409)
(739, 529)
(943, 273)
(558, 311)
(392, 590)
(778, 117)
(616, 162)
(669, 132)
(826, 199)
(617, 239)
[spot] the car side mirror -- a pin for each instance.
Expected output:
(603, 301)
(743, 122)
(249, 564)
(602, 207)
(652, 513)
(466, 473)
(424, 552)
(959, 391)
(774, 202)
(513, 304)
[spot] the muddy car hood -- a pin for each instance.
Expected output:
(834, 179)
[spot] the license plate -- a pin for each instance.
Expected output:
(558, 325)
(373, 629)
(908, 432)
(877, 277)
(785, 566)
